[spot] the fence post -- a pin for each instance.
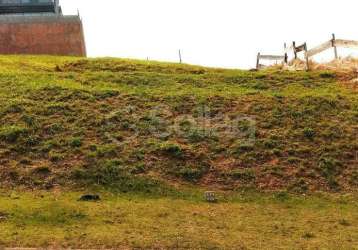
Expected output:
(294, 49)
(334, 46)
(180, 59)
(306, 57)
(258, 61)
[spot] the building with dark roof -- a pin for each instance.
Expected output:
(39, 27)
(29, 6)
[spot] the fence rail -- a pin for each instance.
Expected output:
(350, 44)
(319, 49)
(270, 57)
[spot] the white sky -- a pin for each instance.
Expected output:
(221, 33)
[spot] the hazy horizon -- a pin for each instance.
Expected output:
(223, 33)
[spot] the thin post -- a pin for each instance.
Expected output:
(334, 46)
(180, 59)
(286, 56)
(294, 49)
(258, 61)
(306, 57)
(57, 7)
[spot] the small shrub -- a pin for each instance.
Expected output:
(76, 142)
(56, 157)
(309, 133)
(101, 172)
(11, 134)
(333, 183)
(14, 108)
(329, 167)
(32, 141)
(107, 150)
(344, 223)
(327, 75)
(193, 133)
(43, 170)
(246, 175)
(191, 174)
(277, 152)
(50, 145)
(139, 154)
(172, 149)
(260, 86)
(113, 175)
(14, 174)
(93, 147)
(242, 148)
(106, 94)
(25, 161)
(109, 173)
(58, 108)
(197, 135)
(274, 170)
(354, 178)
(300, 186)
(282, 196)
(260, 76)
(78, 173)
(270, 144)
(293, 160)
(125, 125)
(308, 236)
(29, 120)
(138, 169)
(54, 129)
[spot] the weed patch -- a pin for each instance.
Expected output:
(11, 134)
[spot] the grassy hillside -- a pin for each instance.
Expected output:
(139, 126)
(151, 137)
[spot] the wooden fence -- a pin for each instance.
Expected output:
(333, 43)
(301, 48)
(260, 57)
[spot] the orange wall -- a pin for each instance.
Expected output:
(50, 38)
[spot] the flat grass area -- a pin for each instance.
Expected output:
(237, 221)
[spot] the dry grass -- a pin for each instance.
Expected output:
(347, 64)
(42, 219)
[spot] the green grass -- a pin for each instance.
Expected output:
(152, 137)
(238, 221)
(72, 114)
